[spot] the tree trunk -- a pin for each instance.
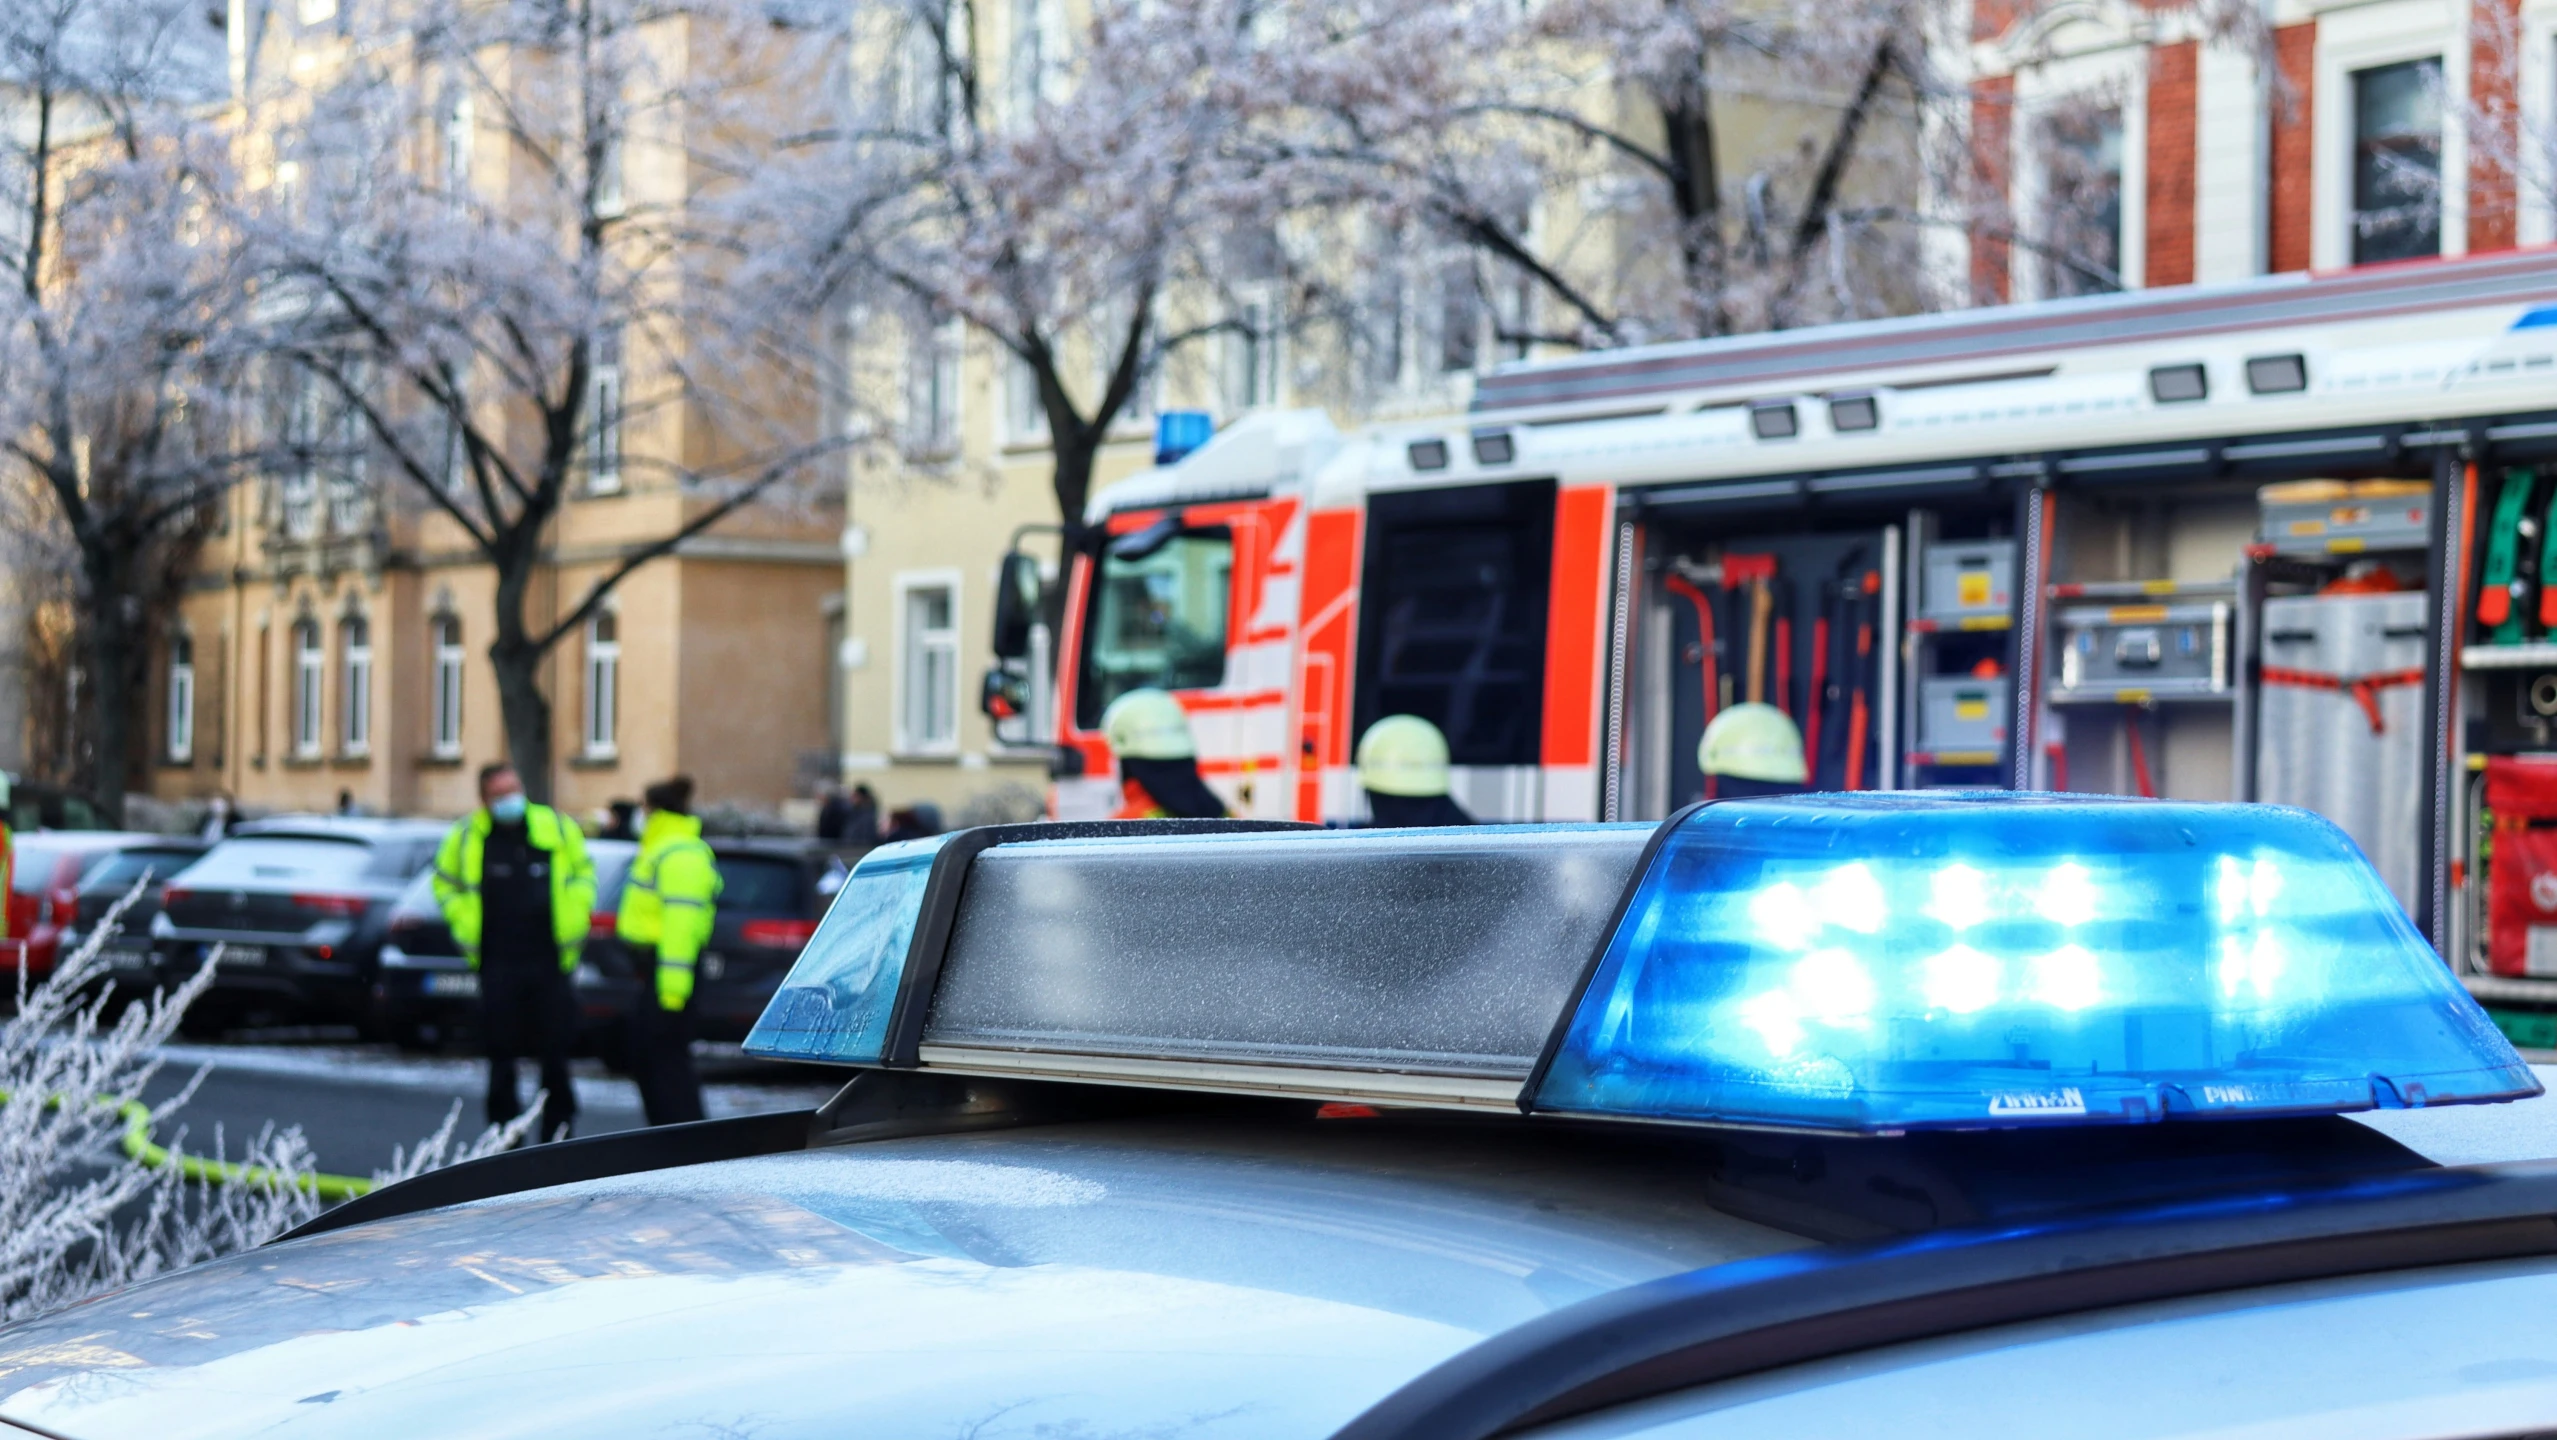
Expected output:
(517, 661)
(112, 628)
(1076, 451)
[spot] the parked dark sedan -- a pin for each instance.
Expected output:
(111, 875)
(772, 894)
(301, 905)
(44, 889)
(426, 993)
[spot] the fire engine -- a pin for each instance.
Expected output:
(2273, 540)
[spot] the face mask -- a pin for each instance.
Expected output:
(508, 808)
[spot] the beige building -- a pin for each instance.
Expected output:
(320, 655)
(334, 641)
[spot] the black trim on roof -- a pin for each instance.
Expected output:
(1757, 1315)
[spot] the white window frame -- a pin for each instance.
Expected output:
(2535, 183)
(1252, 378)
(180, 717)
(348, 490)
(459, 133)
(932, 389)
(913, 663)
(601, 730)
(1108, 332)
(919, 84)
(2121, 73)
(1025, 416)
(2365, 38)
(607, 405)
(300, 499)
(310, 684)
(612, 180)
(445, 659)
(355, 686)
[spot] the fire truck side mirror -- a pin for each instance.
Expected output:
(1017, 593)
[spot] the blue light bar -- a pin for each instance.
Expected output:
(1883, 963)
(835, 1003)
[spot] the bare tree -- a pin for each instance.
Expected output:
(523, 271)
(1077, 195)
(125, 323)
(1581, 147)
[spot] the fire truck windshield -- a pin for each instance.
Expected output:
(1156, 619)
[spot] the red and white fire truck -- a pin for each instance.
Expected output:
(2075, 544)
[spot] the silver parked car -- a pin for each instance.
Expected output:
(1825, 1116)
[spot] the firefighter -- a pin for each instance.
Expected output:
(666, 913)
(1402, 765)
(1158, 761)
(1752, 749)
(514, 883)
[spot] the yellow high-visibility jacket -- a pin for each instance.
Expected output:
(458, 863)
(673, 891)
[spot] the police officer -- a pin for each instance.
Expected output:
(1752, 749)
(514, 883)
(1402, 765)
(666, 912)
(1158, 761)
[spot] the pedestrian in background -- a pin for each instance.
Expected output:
(666, 912)
(623, 823)
(516, 887)
(919, 821)
(849, 819)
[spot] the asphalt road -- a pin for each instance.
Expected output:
(357, 1103)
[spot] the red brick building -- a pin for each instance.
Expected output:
(2145, 144)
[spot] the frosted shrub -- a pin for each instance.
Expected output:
(77, 1214)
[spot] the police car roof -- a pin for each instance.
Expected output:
(1130, 1148)
(1253, 1271)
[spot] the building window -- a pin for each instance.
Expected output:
(310, 673)
(348, 467)
(302, 442)
(1252, 354)
(1025, 415)
(919, 101)
(444, 688)
(1459, 316)
(459, 129)
(355, 686)
(609, 199)
(181, 716)
(604, 413)
(2397, 161)
(932, 391)
(928, 667)
(603, 685)
(1029, 60)
(2080, 154)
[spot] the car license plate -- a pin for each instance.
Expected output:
(452, 982)
(238, 955)
(127, 956)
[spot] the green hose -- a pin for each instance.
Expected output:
(139, 1146)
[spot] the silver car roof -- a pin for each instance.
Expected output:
(1207, 1279)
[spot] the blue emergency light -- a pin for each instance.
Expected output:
(1890, 962)
(1858, 963)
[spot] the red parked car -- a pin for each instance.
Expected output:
(44, 888)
